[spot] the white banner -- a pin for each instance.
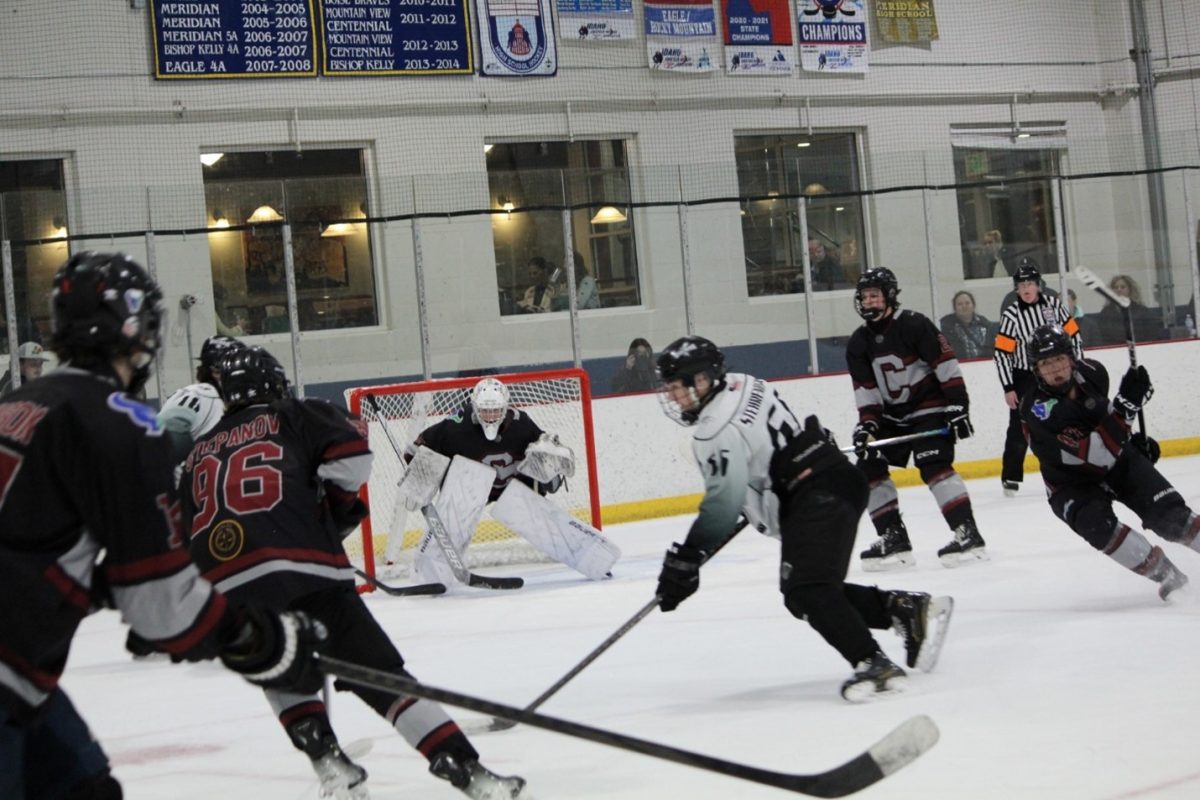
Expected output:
(681, 35)
(516, 37)
(832, 35)
(596, 20)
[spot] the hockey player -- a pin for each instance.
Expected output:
(84, 470)
(271, 494)
(907, 380)
(193, 410)
(1089, 459)
(492, 452)
(1032, 308)
(792, 483)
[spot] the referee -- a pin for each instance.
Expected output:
(1019, 319)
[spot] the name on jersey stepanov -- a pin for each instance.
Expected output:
(758, 390)
(258, 428)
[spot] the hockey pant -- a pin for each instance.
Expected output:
(53, 755)
(934, 459)
(355, 636)
(546, 526)
(818, 526)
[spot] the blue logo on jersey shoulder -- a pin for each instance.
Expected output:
(139, 414)
(1042, 408)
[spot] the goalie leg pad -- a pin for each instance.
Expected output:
(460, 504)
(554, 532)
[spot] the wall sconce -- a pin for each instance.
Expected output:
(60, 227)
(208, 159)
(219, 220)
(506, 204)
(264, 214)
(815, 188)
(487, 148)
(608, 214)
(338, 229)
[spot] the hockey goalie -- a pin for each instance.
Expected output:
(490, 452)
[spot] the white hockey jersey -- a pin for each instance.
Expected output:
(737, 435)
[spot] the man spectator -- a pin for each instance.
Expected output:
(989, 261)
(32, 359)
(540, 294)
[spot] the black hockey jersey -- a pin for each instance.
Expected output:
(1077, 439)
(86, 469)
(254, 499)
(458, 435)
(903, 369)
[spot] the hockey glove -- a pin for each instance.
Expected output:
(1136, 390)
(276, 651)
(1147, 445)
(345, 509)
(680, 576)
(864, 432)
(960, 422)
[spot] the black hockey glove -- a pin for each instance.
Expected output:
(551, 486)
(960, 422)
(1147, 445)
(680, 576)
(863, 433)
(276, 651)
(345, 509)
(1136, 390)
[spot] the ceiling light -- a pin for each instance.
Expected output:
(264, 214)
(608, 214)
(339, 229)
(803, 144)
(487, 148)
(208, 159)
(219, 220)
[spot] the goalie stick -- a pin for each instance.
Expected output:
(908, 437)
(402, 591)
(438, 530)
(894, 751)
(1093, 282)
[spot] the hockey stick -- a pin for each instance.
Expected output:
(894, 751)
(402, 591)
(494, 724)
(1093, 282)
(908, 437)
(438, 530)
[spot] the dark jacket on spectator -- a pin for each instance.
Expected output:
(1147, 325)
(972, 340)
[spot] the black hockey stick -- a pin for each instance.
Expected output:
(908, 437)
(894, 751)
(438, 530)
(402, 591)
(1093, 282)
(496, 724)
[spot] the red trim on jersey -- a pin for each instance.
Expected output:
(356, 447)
(42, 679)
(206, 622)
(259, 555)
(73, 592)
(145, 569)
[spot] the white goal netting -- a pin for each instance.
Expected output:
(559, 401)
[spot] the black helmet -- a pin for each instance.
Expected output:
(683, 360)
(212, 352)
(105, 305)
(880, 278)
(1027, 270)
(1048, 341)
(249, 376)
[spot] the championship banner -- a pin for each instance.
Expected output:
(516, 37)
(906, 21)
(680, 35)
(758, 37)
(596, 20)
(833, 35)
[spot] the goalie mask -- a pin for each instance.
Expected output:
(682, 361)
(489, 405)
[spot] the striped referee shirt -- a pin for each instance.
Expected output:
(1017, 324)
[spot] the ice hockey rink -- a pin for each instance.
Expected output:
(1063, 676)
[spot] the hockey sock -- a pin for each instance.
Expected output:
(950, 492)
(884, 504)
(427, 727)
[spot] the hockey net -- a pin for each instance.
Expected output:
(559, 401)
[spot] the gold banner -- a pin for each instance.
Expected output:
(906, 20)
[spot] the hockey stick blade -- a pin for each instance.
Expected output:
(416, 590)
(488, 582)
(896, 750)
(1093, 282)
(908, 437)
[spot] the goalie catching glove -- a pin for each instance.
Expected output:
(547, 460)
(276, 651)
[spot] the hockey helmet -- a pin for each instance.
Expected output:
(1027, 270)
(103, 306)
(1046, 342)
(251, 376)
(214, 349)
(683, 360)
(880, 278)
(489, 405)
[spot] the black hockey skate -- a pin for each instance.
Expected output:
(873, 678)
(966, 546)
(475, 780)
(341, 778)
(892, 550)
(921, 620)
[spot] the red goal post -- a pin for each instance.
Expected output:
(559, 401)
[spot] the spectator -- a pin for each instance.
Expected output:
(969, 334)
(1146, 324)
(32, 358)
(586, 294)
(826, 271)
(1088, 329)
(227, 324)
(540, 293)
(637, 373)
(990, 258)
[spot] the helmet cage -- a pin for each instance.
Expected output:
(489, 406)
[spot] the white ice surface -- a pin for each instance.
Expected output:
(1063, 676)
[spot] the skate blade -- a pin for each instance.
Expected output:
(895, 561)
(1175, 592)
(952, 560)
(866, 692)
(937, 623)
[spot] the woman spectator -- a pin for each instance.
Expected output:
(1147, 325)
(969, 334)
(637, 374)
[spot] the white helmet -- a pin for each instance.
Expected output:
(489, 401)
(197, 408)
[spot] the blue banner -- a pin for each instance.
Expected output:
(396, 37)
(233, 39)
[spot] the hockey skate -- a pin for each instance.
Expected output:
(1168, 577)
(1010, 488)
(966, 546)
(873, 678)
(475, 780)
(892, 550)
(341, 778)
(921, 620)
